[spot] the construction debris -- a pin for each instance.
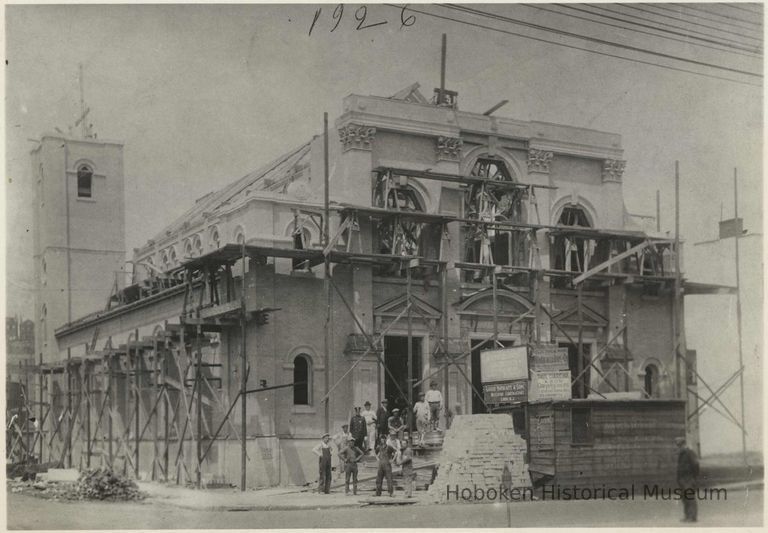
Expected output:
(99, 484)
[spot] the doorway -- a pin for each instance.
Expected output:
(573, 365)
(477, 379)
(396, 361)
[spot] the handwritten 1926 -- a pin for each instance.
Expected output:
(361, 16)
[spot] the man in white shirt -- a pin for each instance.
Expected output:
(370, 424)
(421, 413)
(435, 400)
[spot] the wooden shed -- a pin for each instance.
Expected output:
(614, 443)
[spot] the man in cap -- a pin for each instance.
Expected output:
(395, 424)
(435, 400)
(370, 424)
(323, 452)
(384, 455)
(340, 440)
(358, 428)
(687, 471)
(382, 416)
(351, 455)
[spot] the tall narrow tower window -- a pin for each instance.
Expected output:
(84, 182)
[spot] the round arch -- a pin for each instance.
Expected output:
(574, 201)
(486, 295)
(470, 158)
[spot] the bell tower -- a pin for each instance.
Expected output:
(79, 231)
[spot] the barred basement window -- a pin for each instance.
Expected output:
(581, 426)
(84, 182)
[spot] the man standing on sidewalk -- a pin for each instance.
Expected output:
(323, 452)
(384, 454)
(382, 416)
(351, 455)
(406, 461)
(687, 471)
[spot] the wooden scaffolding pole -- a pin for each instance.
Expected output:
(243, 375)
(738, 317)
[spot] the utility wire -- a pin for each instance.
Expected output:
(687, 35)
(738, 34)
(680, 7)
(596, 40)
(688, 31)
(685, 41)
(539, 39)
(740, 7)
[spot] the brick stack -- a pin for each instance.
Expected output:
(474, 453)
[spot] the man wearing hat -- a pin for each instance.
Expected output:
(358, 428)
(395, 424)
(687, 471)
(340, 440)
(351, 455)
(421, 413)
(382, 416)
(370, 425)
(323, 452)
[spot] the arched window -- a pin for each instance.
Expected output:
(239, 235)
(215, 242)
(188, 249)
(164, 259)
(651, 379)
(486, 201)
(573, 252)
(84, 181)
(197, 245)
(302, 373)
(172, 256)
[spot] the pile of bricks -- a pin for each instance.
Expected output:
(475, 451)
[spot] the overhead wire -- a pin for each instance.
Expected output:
(681, 7)
(687, 31)
(539, 39)
(686, 41)
(740, 7)
(496, 16)
(642, 10)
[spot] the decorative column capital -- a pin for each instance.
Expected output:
(357, 137)
(539, 160)
(449, 148)
(613, 170)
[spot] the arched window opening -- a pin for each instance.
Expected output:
(197, 245)
(301, 241)
(172, 256)
(573, 252)
(164, 259)
(84, 182)
(484, 201)
(215, 239)
(188, 252)
(651, 378)
(301, 380)
(239, 236)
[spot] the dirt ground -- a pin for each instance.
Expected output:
(744, 508)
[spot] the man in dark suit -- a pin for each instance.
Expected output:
(382, 417)
(687, 471)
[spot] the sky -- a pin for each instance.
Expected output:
(202, 95)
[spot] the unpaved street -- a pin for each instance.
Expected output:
(744, 508)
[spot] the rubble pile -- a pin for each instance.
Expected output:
(475, 453)
(99, 484)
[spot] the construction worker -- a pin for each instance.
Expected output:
(351, 455)
(395, 424)
(384, 454)
(406, 462)
(340, 440)
(382, 416)
(687, 472)
(435, 400)
(323, 452)
(421, 412)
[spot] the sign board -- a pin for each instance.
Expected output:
(551, 385)
(506, 392)
(506, 364)
(543, 432)
(733, 227)
(549, 357)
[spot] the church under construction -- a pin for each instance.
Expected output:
(386, 253)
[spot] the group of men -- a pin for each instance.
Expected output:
(383, 433)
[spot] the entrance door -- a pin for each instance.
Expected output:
(573, 366)
(477, 381)
(396, 361)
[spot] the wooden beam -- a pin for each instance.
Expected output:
(613, 260)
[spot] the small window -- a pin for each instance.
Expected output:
(84, 182)
(239, 236)
(301, 380)
(197, 244)
(215, 239)
(650, 381)
(172, 256)
(581, 426)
